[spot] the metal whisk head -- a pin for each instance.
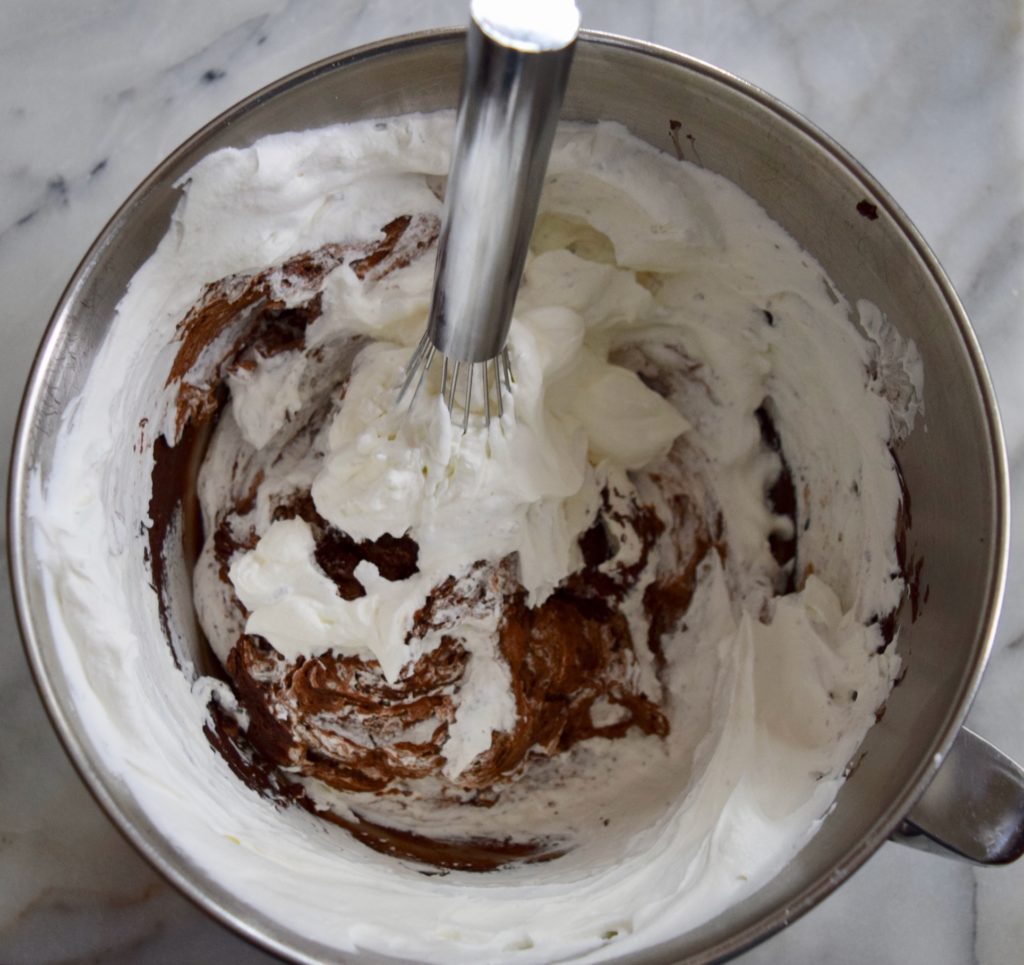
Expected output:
(515, 77)
(488, 377)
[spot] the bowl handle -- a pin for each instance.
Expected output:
(974, 807)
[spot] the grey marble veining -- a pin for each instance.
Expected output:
(927, 93)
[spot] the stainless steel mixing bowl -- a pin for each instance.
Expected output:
(955, 472)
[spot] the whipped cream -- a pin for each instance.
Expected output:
(530, 485)
(768, 695)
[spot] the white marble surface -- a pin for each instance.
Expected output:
(927, 93)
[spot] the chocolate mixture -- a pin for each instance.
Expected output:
(336, 718)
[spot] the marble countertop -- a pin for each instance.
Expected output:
(927, 93)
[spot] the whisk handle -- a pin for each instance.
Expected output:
(512, 91)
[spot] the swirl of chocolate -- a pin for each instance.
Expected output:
(337, 719)
(572, 660)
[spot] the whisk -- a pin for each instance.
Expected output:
(518, 56)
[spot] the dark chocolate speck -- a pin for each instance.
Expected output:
(674, 127)
(867, 210)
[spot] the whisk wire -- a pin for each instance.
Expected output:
(487, 396)
(452, 371)
(423, 374)
(509, 377)
(425, 347)
(467, 402)
(497, 388)
(454, 386)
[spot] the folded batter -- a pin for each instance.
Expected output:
(616, 649)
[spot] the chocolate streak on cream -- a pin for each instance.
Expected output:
(335, 718)
(563, 656)
(269, 781)
(241, 317)
(781, 499)
(235, 322)
(256, 772)
(174, 509)
(248, 312)
(909, 568)
(337, 554)
(667, 600)
(456, 854)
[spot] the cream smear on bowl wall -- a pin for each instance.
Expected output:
(685, 371)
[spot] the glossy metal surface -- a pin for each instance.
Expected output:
(508, 112)
(974, 809)
(817, 192)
